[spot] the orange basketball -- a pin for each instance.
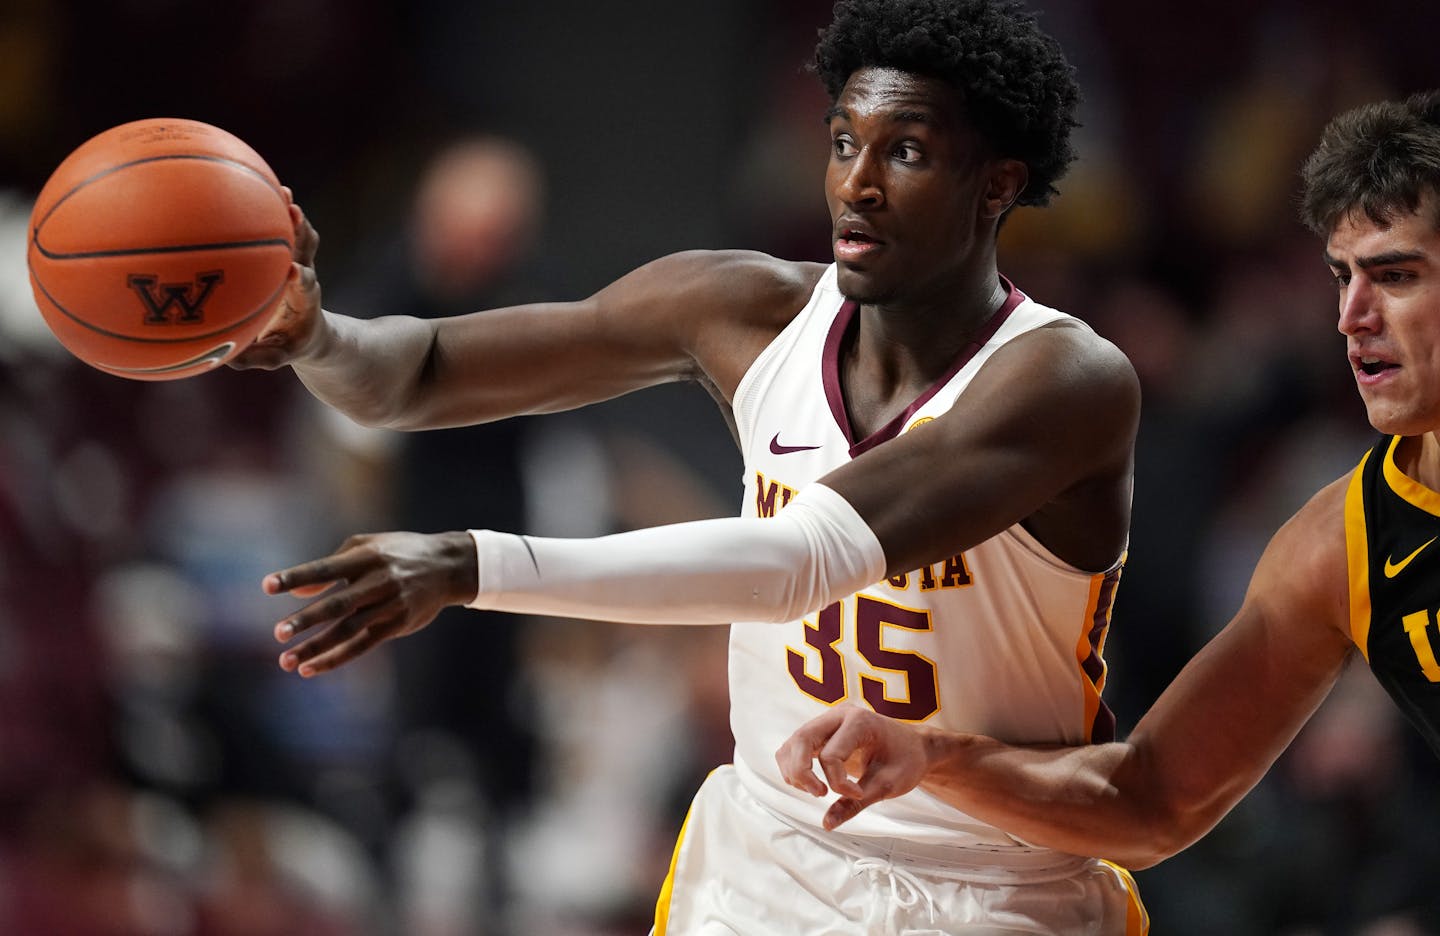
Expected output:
(158, 248)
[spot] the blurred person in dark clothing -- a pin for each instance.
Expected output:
(474, 221)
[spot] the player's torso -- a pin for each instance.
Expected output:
(1392, 535)
(1004, 639)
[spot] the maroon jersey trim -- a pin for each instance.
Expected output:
(830, 370)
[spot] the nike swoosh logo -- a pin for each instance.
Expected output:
(1393, 569)
(777, 449)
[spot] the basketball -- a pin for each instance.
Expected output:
(159, 248)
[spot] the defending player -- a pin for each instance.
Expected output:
(1357, 568)
(937, 487)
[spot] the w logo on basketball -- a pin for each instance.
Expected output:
(187, 299)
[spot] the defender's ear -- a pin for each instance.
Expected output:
(1008, 178)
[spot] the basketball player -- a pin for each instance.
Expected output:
(1357, 569)
(937, 486)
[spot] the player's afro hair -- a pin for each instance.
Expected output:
(1017, 88)
(1379, 159)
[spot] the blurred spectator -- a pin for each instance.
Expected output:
(467, 243)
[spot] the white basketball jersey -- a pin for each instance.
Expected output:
(1003, 640)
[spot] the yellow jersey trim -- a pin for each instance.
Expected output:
(1137, 918)
(1408, 488)
(1357, 553)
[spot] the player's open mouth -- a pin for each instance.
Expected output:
(852, 244)
(1371, 366)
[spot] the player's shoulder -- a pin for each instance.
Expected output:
(1071, 339)
(1305, 566)
(750, 264)
(1073, 365)
(722, 306)
(747, 283)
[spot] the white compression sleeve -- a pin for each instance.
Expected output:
(815, 551)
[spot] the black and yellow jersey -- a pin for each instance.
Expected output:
(1392, 543)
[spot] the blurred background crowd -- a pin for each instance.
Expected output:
(505, 777)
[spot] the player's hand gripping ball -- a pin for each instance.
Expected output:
(159, 248)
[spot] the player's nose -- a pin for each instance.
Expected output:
(1359, 311)
(859, 185)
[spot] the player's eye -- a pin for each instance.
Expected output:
(908, 152)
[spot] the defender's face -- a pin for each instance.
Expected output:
(1389, 279)
(905, 185)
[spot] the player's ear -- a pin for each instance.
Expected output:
(1006, 179)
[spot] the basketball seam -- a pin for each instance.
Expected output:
(35, 233)
(215, 354)
(163, 249)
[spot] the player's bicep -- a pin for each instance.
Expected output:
(643, 329)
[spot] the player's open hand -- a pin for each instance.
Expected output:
(374, 587)
(296, 323)
(865, 757)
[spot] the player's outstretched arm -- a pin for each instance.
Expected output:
(387, 585)
(695, 315)
(819, 549)
(1209, 738)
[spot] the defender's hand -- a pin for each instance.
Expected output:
(375, 587)
(297, 321)
(865, 758)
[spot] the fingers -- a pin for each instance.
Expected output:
(863, 756)
(310, 591)
(364, 594)
(829, 739)
(339, 643)
(333, 610)
(845, 747)
(842, 810)
(314, 577)
(304, 276)
(871, 788)
(311, 579)
(294, 319)
(285, 333)
(279, 583)
(307, 239)
(797, 755)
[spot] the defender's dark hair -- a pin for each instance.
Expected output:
(1015, 85)
(1378, 158)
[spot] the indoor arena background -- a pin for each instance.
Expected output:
(502, 777)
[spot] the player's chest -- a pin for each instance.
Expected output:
(1404, 590)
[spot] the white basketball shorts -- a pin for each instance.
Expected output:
(741, 870)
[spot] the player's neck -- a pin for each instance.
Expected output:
(1418, 457)
(926, 335)
(891, 357)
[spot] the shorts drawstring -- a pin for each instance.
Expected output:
(906, 890)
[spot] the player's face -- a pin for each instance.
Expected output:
(1389, 280)
(906, 185)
